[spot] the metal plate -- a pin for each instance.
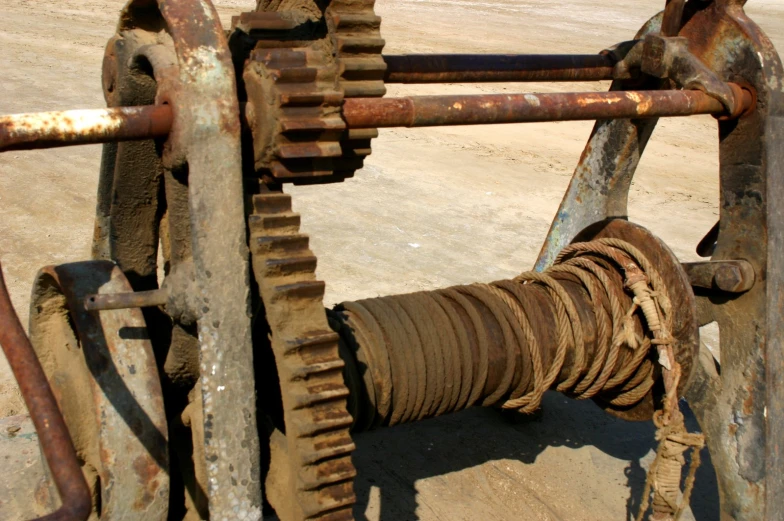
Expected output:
(104, 376)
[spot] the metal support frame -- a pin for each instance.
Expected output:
(206, 135)
(196, 79)
(741, 406)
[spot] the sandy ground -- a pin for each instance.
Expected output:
(433, 207)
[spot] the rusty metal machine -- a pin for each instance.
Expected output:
(224, 388)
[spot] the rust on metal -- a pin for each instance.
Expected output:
(744, 441)
(53, 435)
(52, 129)
(467, 68)
(673, 17)
(207, 136)
(104, 373)
(732, 276)
(80, 127)
(426, 111)
(263, 21)
(137, 299)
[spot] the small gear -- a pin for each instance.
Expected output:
(296, 80)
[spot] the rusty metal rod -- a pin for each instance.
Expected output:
(53, 436)
(467, 68)
(80, 127)
(138, 299)
(430, 111)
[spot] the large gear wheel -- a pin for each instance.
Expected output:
(311, 473)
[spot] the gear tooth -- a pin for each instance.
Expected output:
(296, 75)
(304, 97)
(285, 223)
(272, 203)
(356, 21)
(309, 149)
(357, 150)
(339, 470)
(280, 244)
(308, 371)
(290, 265)
(313, 398)
(363, 69)
(364, 89)
(332, 500)
(278, 58)
(308, 290)
(360, 44)
(298, 169)
(312, 123)
(362, 134)
(333, 445)
(325, 426)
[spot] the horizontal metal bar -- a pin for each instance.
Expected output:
(468, 68)
(138, 299)
(429, 111)
(56, 444)
(79, 127)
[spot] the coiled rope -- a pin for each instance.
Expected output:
(664, 475)
(429, 353)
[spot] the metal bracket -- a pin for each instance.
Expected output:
(668, 57)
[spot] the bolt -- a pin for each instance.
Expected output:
(734, 278)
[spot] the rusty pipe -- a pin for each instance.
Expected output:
(81, 127)
(467, 68)
(77, 127)
(53, 436)
(429, 111)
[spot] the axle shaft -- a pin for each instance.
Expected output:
(431, 111)
(81, 127)
(77, 127)
(467, 68)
